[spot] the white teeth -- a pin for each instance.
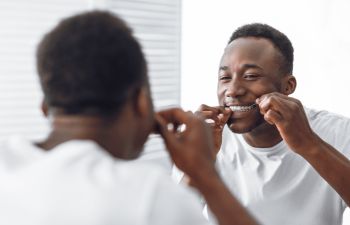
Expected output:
(236, 108)
(229, 99)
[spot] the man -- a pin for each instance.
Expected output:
(278, 158)
(96, 94)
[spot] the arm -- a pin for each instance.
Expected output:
(289, 117)
(192, 152)
(331, 165)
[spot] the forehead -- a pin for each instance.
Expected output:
(251, 50)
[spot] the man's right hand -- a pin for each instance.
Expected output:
(192, 148)
(192, 151)
(217, 118)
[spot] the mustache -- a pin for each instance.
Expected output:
(232, 100)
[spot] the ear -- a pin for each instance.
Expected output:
(143, 102)
(289, 84)
(44, 108)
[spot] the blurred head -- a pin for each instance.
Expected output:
(257, 60)
(91, 65)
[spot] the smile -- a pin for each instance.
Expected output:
(238, 108)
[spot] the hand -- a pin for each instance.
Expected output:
(218, 116)
(190, 149)
(192, 152)
(288, 115)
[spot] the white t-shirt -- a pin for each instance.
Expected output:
(277, 185)
(80, 183)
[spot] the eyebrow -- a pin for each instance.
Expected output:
(223, 68)
(245, 66)
(248, 65)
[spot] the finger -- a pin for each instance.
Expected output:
(225, 115)
(273, 117)
(182, 127)
(175, 116)
(276, 103)
(169, 138)
(204, 107)
(208, 115)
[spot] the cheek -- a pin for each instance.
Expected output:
(221, 93)
(264, 88)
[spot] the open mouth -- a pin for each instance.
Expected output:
(242, 108)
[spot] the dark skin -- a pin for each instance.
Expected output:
(114, 133)
(245, 75)
(123, 136)
(192, 151)
(250, 73)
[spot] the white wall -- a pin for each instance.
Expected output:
(318, 29)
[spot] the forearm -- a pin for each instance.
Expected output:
(222, 203)
(331, 165)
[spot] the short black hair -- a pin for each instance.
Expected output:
(278, 39)
(89, 63)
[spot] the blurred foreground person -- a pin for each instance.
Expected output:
(96, 94)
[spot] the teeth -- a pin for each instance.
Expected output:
(229, 99)
(236, 108)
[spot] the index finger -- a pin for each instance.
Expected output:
(175, 115)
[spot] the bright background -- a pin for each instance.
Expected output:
(318, 29)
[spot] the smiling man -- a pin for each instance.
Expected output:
(275, 155)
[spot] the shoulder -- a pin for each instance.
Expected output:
(325, 120)
(332, 128)
(14, 141)
(16, 151)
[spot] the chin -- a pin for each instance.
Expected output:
(241, 127)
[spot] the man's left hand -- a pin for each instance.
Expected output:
(288, 115)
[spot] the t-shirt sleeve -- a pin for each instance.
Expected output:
(338, 135)
(174, 204)
(335, 130)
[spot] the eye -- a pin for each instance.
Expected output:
(224, 77)
(251, 76)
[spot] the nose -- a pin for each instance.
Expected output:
(235, 88)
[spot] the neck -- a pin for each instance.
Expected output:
(65, 128)
(98, 129)
(263, 136)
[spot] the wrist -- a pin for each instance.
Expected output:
(206, 180)
(312, 147)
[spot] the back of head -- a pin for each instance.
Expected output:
(89, 64)
(278, 39)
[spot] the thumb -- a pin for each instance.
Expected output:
(226, 113)
(273, 117)
(169, 138)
